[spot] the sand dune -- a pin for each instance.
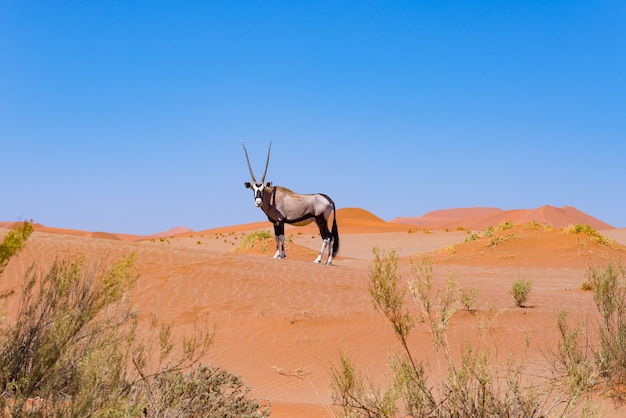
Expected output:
(482, 218)
(281, 324)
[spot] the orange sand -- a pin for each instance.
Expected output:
(281, 324)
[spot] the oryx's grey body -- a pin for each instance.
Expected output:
(281, 206)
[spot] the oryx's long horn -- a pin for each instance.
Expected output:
(266, 163)
(249, 166)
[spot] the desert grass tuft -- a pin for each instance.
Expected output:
(520, 290)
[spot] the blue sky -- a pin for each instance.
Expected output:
(128, 116)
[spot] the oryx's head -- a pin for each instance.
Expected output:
(257, 188)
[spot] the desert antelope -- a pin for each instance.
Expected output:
(281, 206)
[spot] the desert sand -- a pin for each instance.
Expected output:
(282, 324)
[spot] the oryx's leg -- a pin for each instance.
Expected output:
(326, 239)
(319, 256)
(279, 235)
(329, 261)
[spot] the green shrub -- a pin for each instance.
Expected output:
(14, 242)
(473, 237)
(252, 238)
(505, 225)
(468, 298)
(520, 290)
(595, 236)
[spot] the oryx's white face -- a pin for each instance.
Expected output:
(258, 188)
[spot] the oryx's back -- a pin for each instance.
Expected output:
(302, 205)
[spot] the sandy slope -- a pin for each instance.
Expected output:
(281, 324)
(482, 218)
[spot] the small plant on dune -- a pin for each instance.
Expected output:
(494, 241)
(582, 229)
(585, 229)
(520, 290)
(252, 238)
(505, 225)
(533, 225)
(468, 299)
(452, 248)
(473, 237)
(587, 286)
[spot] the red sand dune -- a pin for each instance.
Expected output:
(482, 218)
(281, 324)
(178, 230)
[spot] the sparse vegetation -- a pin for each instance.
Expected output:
(505, 225)
(252, 238)
(587, 363)
(72, 350)
(533, 225)
(609, 295)
(14, 242)
(574, 358)
(472, 388)
(520, 290)
(473, 237)
(468, 299)
(595, 236)
(495, 240)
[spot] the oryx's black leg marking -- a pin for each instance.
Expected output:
(279, 235)
(322, 224)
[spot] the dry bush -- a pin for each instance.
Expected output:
(520, 289)
(474, 387)
(592, 358)
(72, 351)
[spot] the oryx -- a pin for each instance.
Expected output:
(281, 206)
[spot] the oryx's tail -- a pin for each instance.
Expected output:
(335, 233)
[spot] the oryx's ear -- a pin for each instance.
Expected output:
(248, 185)
(269, 184)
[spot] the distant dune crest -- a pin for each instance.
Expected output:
(353, 220)
(171, 232)
(482, 218)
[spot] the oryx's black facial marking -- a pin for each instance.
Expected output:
(281, 206)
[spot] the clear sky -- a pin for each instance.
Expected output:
(128, 116)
